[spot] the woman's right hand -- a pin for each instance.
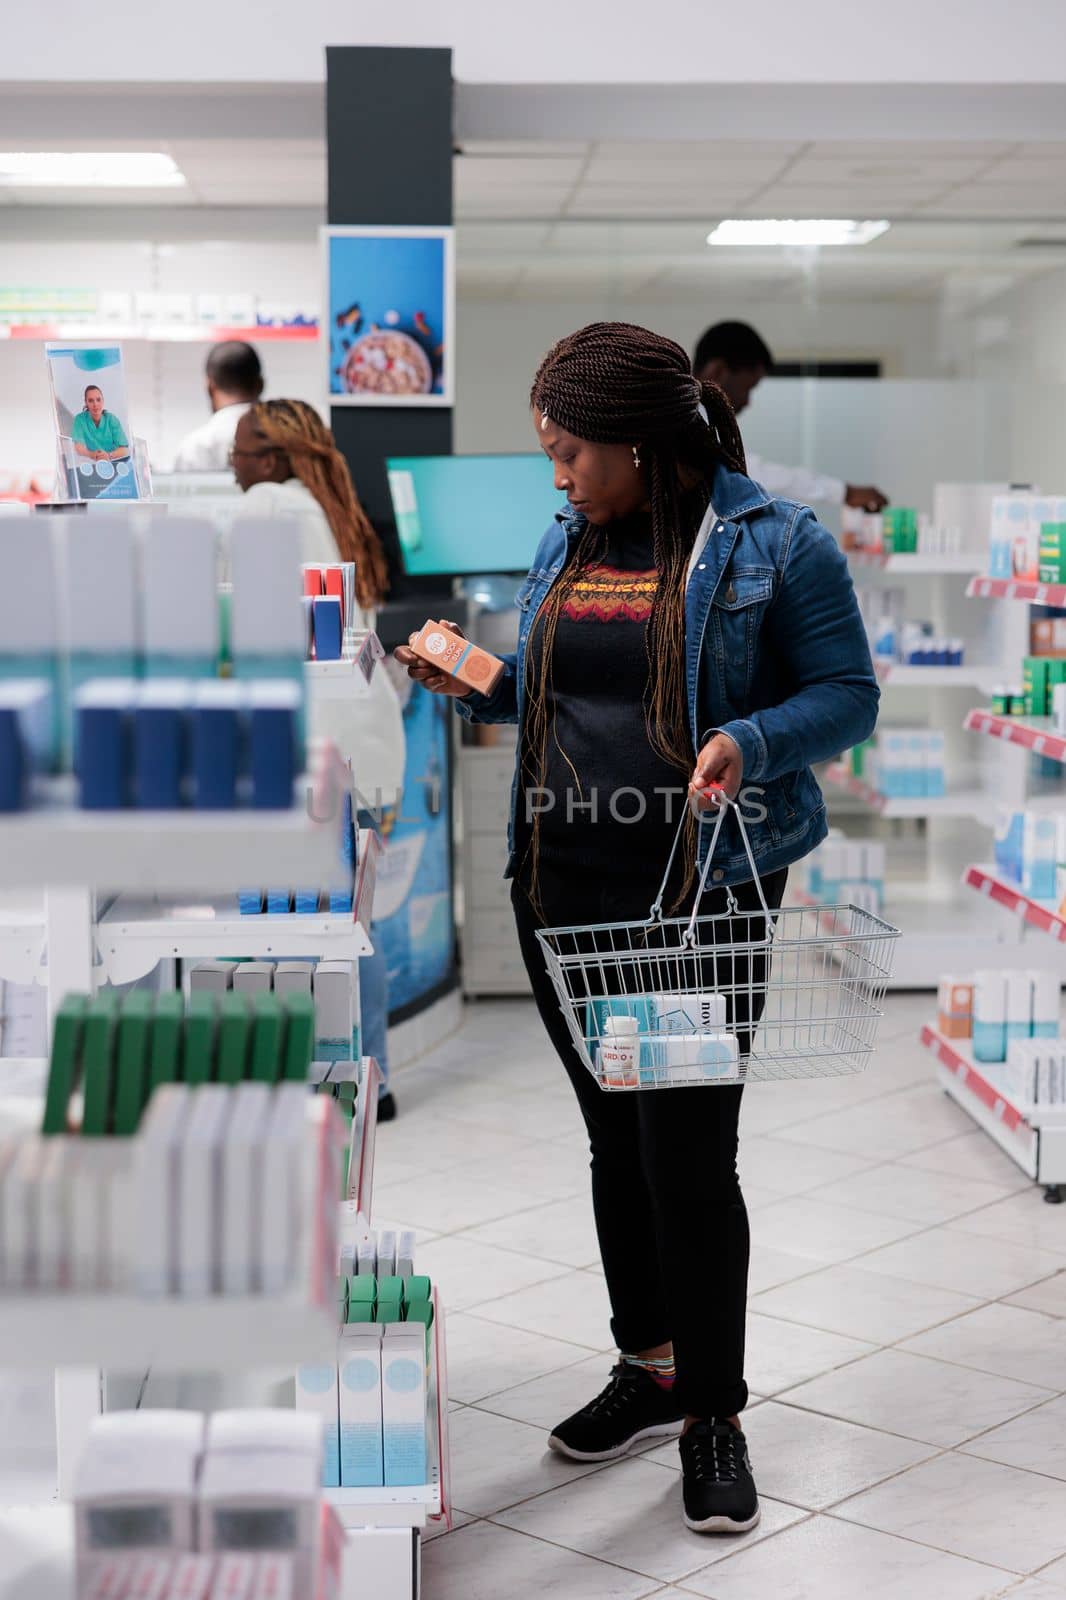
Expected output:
(429, 677)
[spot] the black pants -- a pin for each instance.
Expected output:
(671, 1220)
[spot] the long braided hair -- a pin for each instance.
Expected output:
(615, 383)
(296, 429)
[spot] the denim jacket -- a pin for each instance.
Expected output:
(775, 654)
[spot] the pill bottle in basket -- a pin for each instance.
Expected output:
(620, 1052)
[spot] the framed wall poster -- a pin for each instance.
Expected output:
(390, 315)
(94, 441)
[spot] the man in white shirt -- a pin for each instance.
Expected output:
(234, 382)
(732, 355)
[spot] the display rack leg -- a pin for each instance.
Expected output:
(78, 1401)
(68, 926)
(1054, 1194)
(68, 920)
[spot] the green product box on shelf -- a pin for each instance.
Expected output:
(201, 1019)
(390, 1291)
(1037, 681)
(1016, 705)
(234, 1037)
(299, 1036)
(421, 1311)
(98, 1051)
(362, 1289)
(131, 1072)
(65, 1062)
(416, 1288)
(266, 1037)
(1053, 552)
(389, 1311)
(1000, 703)
(164, 1043)
(360, 1311)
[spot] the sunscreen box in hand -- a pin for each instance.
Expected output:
(447, 650)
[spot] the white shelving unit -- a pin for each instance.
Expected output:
(134, 934)
(1033, 1136)
(936, 915)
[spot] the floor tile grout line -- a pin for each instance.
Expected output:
(1011, 1573)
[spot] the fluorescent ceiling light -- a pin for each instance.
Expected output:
(87, 169)
(795, 231)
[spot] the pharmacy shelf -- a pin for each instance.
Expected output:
(352, 675)
(138, 932)
(901, 676)
(1033, 733)
(173, 852)
(961, 803)
(364, 1141)
(960, 563)
(124, 1332)
(1039, 594)
(157, 333)
(411, 1507)
(1036, 913)
(21, 940)
(1033, 1136)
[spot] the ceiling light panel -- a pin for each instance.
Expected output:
(761, 232)
(87, 169)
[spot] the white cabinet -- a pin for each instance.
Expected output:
(492, 961)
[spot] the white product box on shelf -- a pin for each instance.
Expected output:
(267, 617)
(200, 1189)
(136, 1483)
(213, 976)
(260, 1486)
(157, 1181)
(403, 1404)
(180, 560)
(359, 1371)
(990, 1016)
(1046, 994)
(241, 1186)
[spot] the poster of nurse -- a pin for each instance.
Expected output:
(92, 421)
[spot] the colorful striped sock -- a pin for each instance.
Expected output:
(660, 1368)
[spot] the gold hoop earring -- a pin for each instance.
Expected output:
(636, 458)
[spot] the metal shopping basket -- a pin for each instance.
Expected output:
(739, 997)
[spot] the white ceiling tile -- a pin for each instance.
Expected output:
(1027, 170)
(869, 200)
(890, 167)
(992, 200)
(245, 149)
(697, 150)
(503, 171)
(531, 148)
(480, 241)
(718, 168)
(909, 149)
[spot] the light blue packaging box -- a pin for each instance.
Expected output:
(1008, 837)
(403, 1405)
(316, 1391)
(361, 1433)
(989, 1041)
(1039, 838)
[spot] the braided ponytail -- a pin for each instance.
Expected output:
(296, 429)
(616, 383)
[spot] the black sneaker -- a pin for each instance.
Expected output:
(633, 1406)
(718, 1488)
(386, 1108)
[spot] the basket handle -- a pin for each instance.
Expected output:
(722, 803)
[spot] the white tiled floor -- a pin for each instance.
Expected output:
(908, 1324)
(906, 1343)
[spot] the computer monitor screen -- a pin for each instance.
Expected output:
(468, 514)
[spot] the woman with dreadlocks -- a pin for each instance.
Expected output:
(679, 629)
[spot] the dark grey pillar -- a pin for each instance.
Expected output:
(389, 146)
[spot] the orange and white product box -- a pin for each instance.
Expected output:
(441, 647)
(955, 1007)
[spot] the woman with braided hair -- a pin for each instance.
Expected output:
(287, 463)
(678, 629)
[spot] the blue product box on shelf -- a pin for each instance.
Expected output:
(272, 743)
(328, 628)
(279, 902)
(215, 744)
(160, 727)
(250, 902)
(103, 723)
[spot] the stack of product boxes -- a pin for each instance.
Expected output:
(373, 1402)
(1030, 850)
(332, 986)
(906, 763)
(166, 1509)
(844, 871)
(894, 638)
(999, 1009)
(184, 1177)
(1018, 547)
(111, 645)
